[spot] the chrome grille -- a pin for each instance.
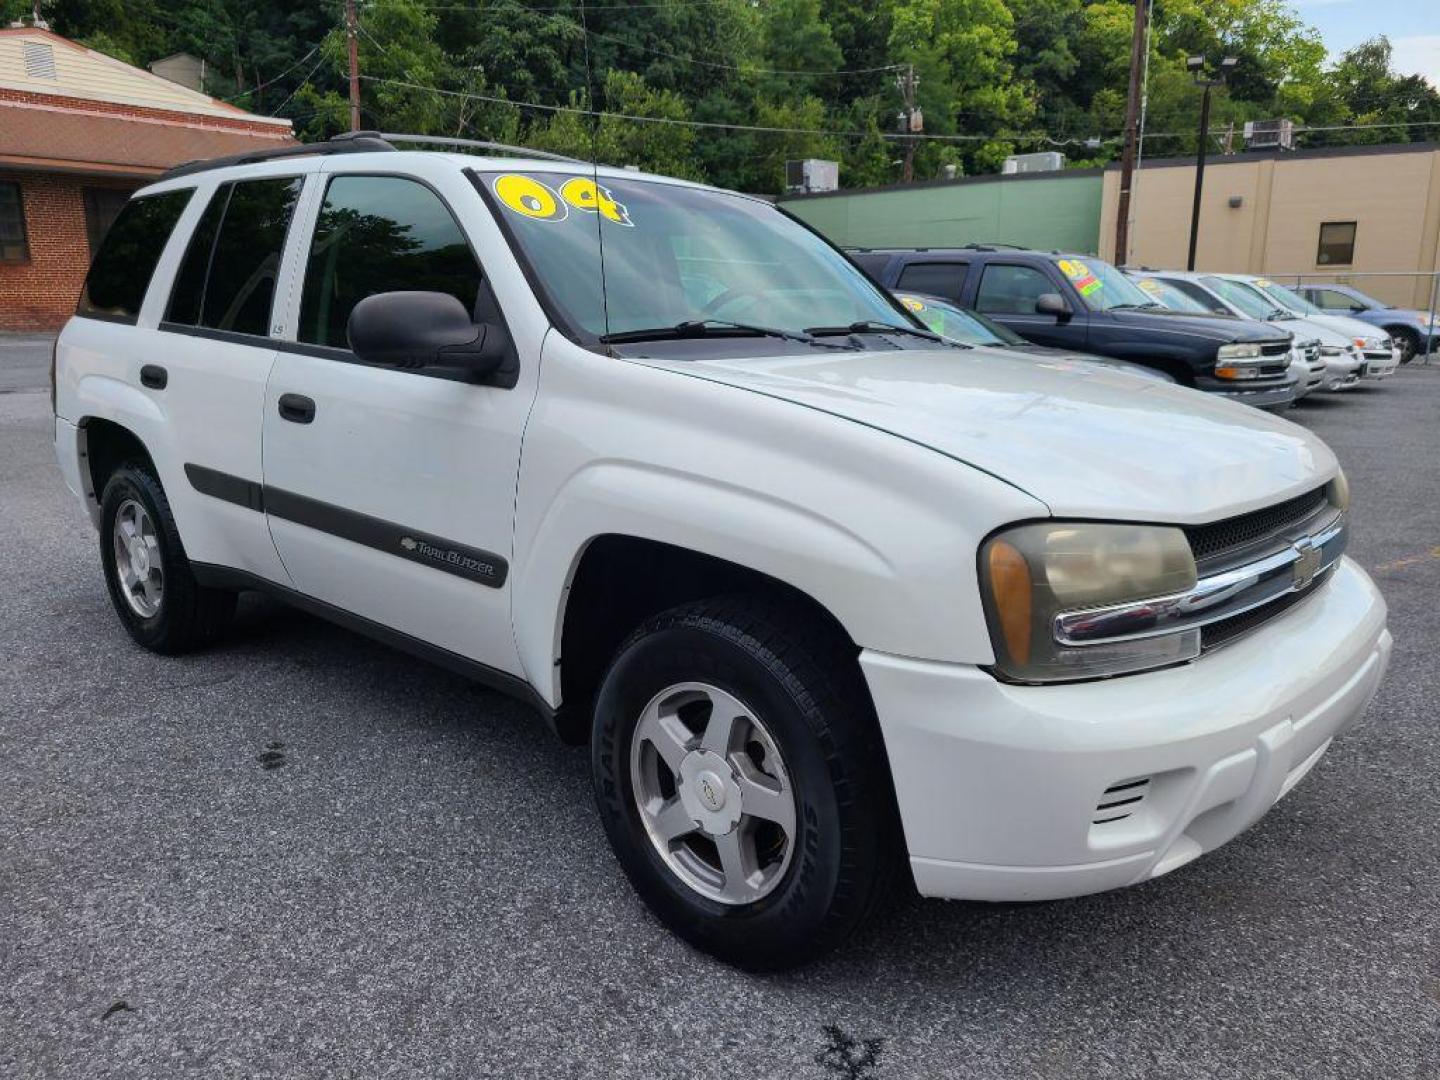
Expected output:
(1217, 538)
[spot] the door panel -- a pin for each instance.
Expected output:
(390, 493)
(213, 342)
(1007, 292)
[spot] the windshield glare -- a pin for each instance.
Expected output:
(1165, 293)
(1286, 298)
(674, 254)
(1102, 286)
(1250, 301)
(957, 324)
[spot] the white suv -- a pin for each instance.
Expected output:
(827, 597)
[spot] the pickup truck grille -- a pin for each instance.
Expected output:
(1221, 537)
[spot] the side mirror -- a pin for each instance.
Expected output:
(424, 329)
(1052, 304)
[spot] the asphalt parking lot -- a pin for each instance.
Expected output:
(304, 855)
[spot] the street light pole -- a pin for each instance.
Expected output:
(1196, 64)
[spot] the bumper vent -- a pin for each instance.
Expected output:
(1120, 801)
(1207, 541)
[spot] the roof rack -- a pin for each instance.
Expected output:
(356, 142)
(481, 144)
(351, 142)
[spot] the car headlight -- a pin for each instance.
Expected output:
(1240, 360)
(1338, 491)
(1029, 574)
(1332, 350)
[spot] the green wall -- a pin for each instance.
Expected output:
(1060, 211)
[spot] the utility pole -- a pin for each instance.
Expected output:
(1132, 133)
(912, 121)
(350, 34)
(1196, 65)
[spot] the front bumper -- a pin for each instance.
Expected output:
(1003, 789)
(1381, 364)
(1264, 398)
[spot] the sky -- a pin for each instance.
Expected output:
(1413, 27)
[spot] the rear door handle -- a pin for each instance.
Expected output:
(154, 376)
(297, 408)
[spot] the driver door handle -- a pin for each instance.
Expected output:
(297, 408)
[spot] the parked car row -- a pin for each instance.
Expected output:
(1234, 335)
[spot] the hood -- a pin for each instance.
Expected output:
(1214, 327)
(1346, 327)
(1065, 357)
(1319, 328)
(1084, 440)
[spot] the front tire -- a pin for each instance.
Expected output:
(741, 779)
(151, 585)
(1409, 343)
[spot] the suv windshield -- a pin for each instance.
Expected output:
(1102, 286)
(957, 324)
(1168, 295)
(1251, 302)
(1286, 298)
(676, 257)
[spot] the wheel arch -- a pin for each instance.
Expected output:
(617, 581)
(104, 445)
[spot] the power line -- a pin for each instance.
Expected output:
(271, 82)
(760, 128)
(299, 86)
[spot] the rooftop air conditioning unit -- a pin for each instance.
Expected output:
(811, 174)
(1270, 134)
(1049, 161)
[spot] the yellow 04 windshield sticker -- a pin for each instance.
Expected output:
(530, 197)
(537, 200)
(1080, 275)
(911, 303)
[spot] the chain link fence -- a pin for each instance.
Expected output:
(1399, 288)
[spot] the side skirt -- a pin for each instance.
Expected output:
(224, 577)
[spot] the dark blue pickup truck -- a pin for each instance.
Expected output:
(1080, 303)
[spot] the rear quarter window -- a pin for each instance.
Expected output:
(115, 287)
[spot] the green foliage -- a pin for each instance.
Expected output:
(776, 79)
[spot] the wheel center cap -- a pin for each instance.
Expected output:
(139, 557)
(711, 790)
(708, 790)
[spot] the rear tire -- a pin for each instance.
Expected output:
(804, 755)
(151, 585)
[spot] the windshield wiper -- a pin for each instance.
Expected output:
(699, 328)
(874, 326)
(1149, 305)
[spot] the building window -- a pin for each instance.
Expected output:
(13, 246)
(102, 205)
(1337, 243)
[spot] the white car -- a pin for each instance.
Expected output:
(826, 596)
(1382, 355)
(1225, 293)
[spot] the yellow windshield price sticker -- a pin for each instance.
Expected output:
(911, 303)
(528, 196)
(537, 200)
(1085, 282)
(1264, 283)
(584, 194)
(1149, 284)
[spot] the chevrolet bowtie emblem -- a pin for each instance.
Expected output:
(1307, 563)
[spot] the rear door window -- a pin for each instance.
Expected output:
(1006, 289)
(116, 284)
(934, 279)
(235, 251)
(380, 234)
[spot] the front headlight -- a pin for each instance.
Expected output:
(1032, 573)
(1240, 360)
(1240, 350)
(1332, 350)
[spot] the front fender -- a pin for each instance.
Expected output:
(881, 532)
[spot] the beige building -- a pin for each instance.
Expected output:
(1322, 213)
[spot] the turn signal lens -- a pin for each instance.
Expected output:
(1032, 573)
(1010, 581)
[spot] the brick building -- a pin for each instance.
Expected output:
(79, 131)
